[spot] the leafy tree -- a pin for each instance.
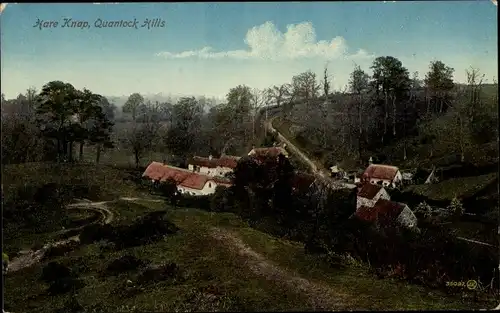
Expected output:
(185, 129)
(456, 208)
(108, 108)
(358, 85)
(55, 113)
(391, 80)
(132, 105)
(87, 109)
(439, 82)
(424, 210)
(100, 132)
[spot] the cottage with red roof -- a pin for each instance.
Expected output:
(388, 213)
(187, 181)
(213, 166)
(369, 194)
(384, 175)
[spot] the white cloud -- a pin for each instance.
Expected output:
(267, 42)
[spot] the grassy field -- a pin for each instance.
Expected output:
(462, 187)
(120, 157)
(210, 275)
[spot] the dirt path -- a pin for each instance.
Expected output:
(321, 296)
(321, 173)
(29, 258)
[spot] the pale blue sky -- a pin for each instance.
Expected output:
(258, 44)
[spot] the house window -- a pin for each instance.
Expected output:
(209, 185)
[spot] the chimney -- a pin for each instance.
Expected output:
(370, 161)
(210, 157)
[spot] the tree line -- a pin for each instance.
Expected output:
(390, 107)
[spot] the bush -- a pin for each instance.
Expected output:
(60, 249)
(199, 202)
(148, 228)
(96, 232)
(156, 273)
(456, 208)
(65, 285)
(222, 200)
(54, 271)
(123, 264)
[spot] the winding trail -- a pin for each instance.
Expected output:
(31, 257)
(321, 296)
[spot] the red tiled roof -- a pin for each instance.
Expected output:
(228, 161)
(223, 161)
(155, 171)
(201, 161)
(369, 191)
(387, 211)
(379, 171)
(182, 177)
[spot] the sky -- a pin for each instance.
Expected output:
(208, 48)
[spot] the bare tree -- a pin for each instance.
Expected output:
(143, 133)
(258, 100)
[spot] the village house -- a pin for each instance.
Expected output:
(188, 182)
(384, 175)
(373, 203)
(213, 166)
(387, 213)
(369, 194)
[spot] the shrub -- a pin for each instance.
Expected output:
(456, 208)
(60, 249)
(148, 228)
(123, 264)
(157, 273)
(65, 284)
(423, 210)
(96, 232)
(54, 271)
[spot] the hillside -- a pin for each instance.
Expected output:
(217, 262)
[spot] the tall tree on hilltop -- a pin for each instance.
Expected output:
(359, 85)
(391, 80)
(439, 83)
(239, 101)
(324, 106)
(305, 87)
